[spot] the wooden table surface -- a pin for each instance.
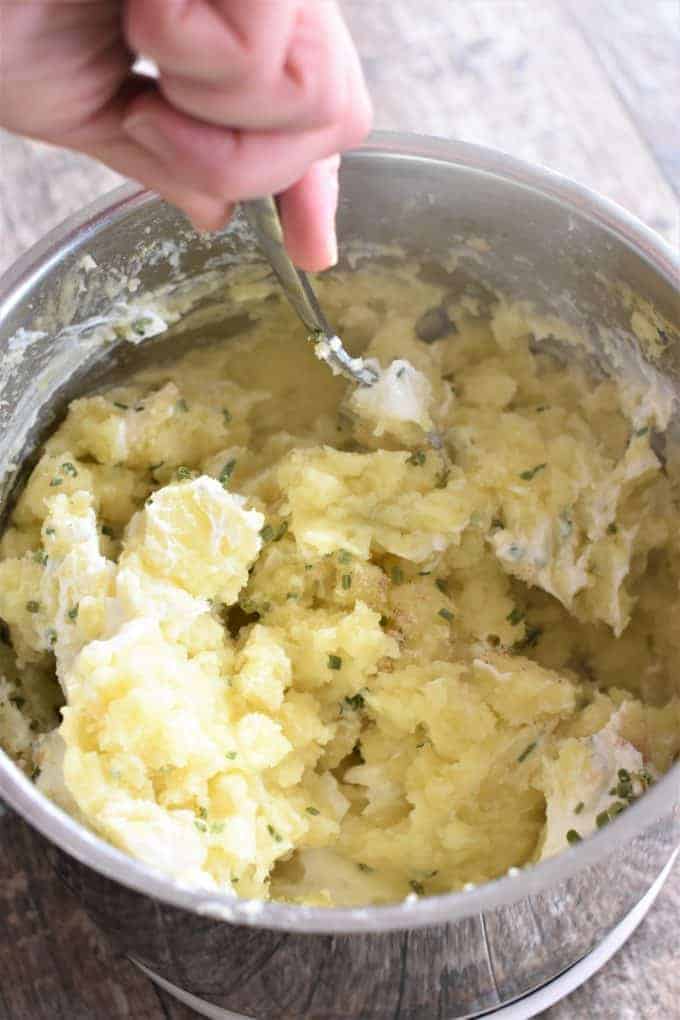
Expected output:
(587, 87)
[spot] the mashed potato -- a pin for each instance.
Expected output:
(264, 635)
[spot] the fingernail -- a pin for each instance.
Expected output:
(146, 132)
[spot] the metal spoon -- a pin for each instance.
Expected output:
(263, 217)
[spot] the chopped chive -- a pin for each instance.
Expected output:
(121, 406)
(602, 819)
(334, 662)
(574, 837)
(32, 606)
(312, 810)
(184, 473)
(56, 481)
(417, 887)
(532, 472)
(274, 834)
(73, 613)
(202, 813)
(226, 415)
(366, 868)
(344, 556)
(281, 531)
(400, 371)
(516, 616)
(226, 472)
(356, 702)
(527, 751)
(579, 808)
(642, 432)
(267, 533)
(201, 826)
(50, 531)
(532, 636)
(446, 614)
(182, 405)
(397, 575)
(51, 636)
(417, 458)
(140, 326)
(442, 478)
(612, 529)
(346, 581)
(69, 469)
(231, 755)
(40, 556)
(442, 585)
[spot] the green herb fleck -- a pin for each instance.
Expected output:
(579, 808)
(40, 556)
(201, 826)
(366, 868)
(32, 606)
(397, 575)
(527, 751)
(417, 458)
(312, 810)
(267, 533)
(182, 405)
(446, 614)
(226, 472)
(532, 472)
(106, 530)
(516, 552)
(400, 371)
(274, 834)
(17, 700)
(574, 837)
(51, 636)
(140, 326)
(346, 581)
(344, 556)
(642, 432)
(184, 473)
(202, 813)
(624, 775)
(497, 524)
(516, 616)
(231, 755)
(442, 585)
(35, 772)
(533, 635)
(226, 415)
(417, 887)
(56, 481)
(334, 662)
(120, 406)
(50, 531)
(356, 702)
(612, 529)
(442, 478)
(73, 613)
(602, 819)
(281, 531)
(541, 408)
(69, 469)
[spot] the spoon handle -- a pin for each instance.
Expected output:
(263, 217)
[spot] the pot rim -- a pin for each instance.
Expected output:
(61, 829)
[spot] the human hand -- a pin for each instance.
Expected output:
(252, 98)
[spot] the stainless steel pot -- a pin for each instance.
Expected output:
(544, 239)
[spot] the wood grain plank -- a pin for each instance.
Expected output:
(516, 75)
(641, 56)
